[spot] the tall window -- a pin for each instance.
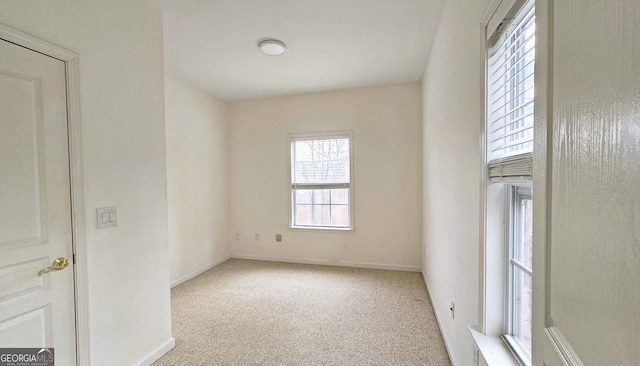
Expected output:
(321, 189)
(509, 131)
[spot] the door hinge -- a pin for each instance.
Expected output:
(74, 259)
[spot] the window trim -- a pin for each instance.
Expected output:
(322, 135)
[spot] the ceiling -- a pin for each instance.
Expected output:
(331, 44)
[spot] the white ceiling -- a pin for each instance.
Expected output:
(331, 44)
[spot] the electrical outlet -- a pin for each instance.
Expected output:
(278, 238)
(453, 310)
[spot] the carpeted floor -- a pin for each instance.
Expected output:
(246, 312)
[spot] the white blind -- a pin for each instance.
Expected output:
(516, 168)
(510, 98)
(320, 163)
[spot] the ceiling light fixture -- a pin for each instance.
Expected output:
(272, 47)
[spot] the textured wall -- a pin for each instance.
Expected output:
(386, 178)
(197, 179)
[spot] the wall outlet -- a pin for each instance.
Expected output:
(453, 310)
(278, 238)
(257, 237)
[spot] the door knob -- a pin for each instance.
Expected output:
(58, 264)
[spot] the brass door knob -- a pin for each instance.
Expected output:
(57, 265)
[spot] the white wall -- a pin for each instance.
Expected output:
(386, 122)
(119, 44)
(451, 167)
(197, 179)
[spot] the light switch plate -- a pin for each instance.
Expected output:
(107, 217)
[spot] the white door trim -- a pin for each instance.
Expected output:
(75, 164)
(549, 346)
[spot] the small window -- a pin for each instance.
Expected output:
(519, 280)
(321, 185)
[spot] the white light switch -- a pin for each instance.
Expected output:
(107, 217)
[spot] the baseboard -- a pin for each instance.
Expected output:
(155, 355)
(195, 273)
(435, 312)
(392, 267)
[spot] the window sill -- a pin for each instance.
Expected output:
(493, 349)
(321, 228)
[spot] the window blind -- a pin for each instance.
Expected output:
(320, 163)
(510, 99)
(512, 169)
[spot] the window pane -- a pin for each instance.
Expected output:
(520, 250)
(340, 196)
(340, 215)
(320, 161)
(321, 196)
(523, 235)
(321, 215)
(303, 196)
(303, 215)
(522, 307)
(321, 207)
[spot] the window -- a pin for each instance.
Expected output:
(321, 185)
(509, 127)
(519, 281)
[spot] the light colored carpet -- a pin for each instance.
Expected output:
(245, 312)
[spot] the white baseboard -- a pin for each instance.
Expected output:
(393, 267)
(197, 272)
(435, 311)
(155, 355)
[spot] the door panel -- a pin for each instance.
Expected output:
(592, 289)
(17, 280)
(32, 327)
(36, 308)
(21, 163)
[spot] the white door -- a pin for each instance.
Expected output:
(36, 308)
(588, 294)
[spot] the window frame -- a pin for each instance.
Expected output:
(489, 334)
(321, 136)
